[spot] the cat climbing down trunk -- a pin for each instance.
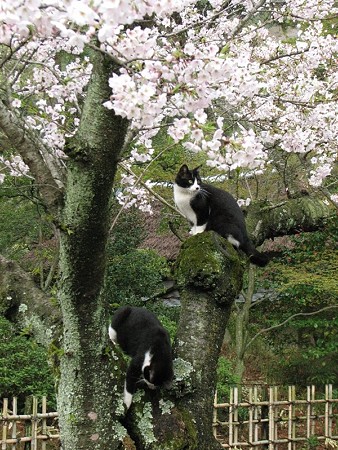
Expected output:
(209, 208)
(140, 335)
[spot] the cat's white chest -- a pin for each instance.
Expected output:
(182, 199)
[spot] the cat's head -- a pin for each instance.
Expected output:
(158, 375)
(188, 179)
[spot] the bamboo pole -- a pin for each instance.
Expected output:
(14, 412)
(214, 417)
(275, 424)
(271, 419)
(328, 411)
(44, 421)
(308, 412)
(35, 424)
(251, 417)
(264, 426)
(290, 418)
(313, 397)
(231, 408)
(5, 424)
(255, 399)
(236, 425)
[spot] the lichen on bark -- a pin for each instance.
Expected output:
(86, 400)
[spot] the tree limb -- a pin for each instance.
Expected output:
(21, 300)
(287, 218)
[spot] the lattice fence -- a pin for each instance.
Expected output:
(27, 431)
(265, 418)
(269, 418)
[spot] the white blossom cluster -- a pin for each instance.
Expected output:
(133, 195)
(16, 167)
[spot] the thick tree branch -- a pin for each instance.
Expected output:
(21, 300)
(286, 218)
(48, 176)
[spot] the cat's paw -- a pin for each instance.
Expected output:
(127, 398)
(112, 334)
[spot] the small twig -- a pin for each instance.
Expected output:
(174, 231)
(271, 207)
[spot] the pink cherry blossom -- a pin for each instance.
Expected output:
(233, 89)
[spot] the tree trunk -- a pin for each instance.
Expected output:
(210, 276)
(86, 403)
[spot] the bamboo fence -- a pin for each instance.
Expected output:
(14, 426)
(265, 418)
(262, 420)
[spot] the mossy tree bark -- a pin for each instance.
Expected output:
(210, 280)
(265, 221)
(21, 301)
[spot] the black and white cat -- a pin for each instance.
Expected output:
(141, 335)
(209, 208)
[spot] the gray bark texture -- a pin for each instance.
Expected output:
(292, 216)
(210, 274)
(85, 395)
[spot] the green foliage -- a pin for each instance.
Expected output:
(18, 218)
(135, 276)
(26, 230)
(169, 324)
(296, 364)
(225, 378)
(312, 442)
(128, 232)
(23, 366)
(305, 279)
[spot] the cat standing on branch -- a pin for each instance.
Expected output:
(209, 208)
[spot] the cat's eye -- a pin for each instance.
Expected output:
(191, 182)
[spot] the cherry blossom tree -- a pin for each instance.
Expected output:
(83, 83)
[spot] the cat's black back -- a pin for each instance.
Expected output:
(212, 209)
(141, 335)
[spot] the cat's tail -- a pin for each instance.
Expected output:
(258, 258)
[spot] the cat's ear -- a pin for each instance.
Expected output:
(197, 168)
(184, 169)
